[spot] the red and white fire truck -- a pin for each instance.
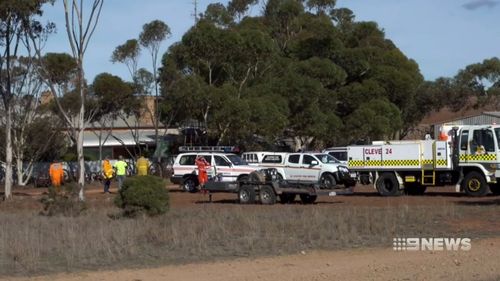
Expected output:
(467, 156)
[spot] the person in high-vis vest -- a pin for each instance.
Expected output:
(121, 171)
(202, 165)
(142, 166)
(56, 173)
(107, 172)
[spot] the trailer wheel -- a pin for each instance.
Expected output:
(327, 181)
(190, 184)
(474, 184)
(495, 189)
(387, 185)
(246, 194)
(267, 195)
(308, 199)
(287, 198)
(414, 188)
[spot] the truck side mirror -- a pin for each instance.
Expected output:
(314, 163)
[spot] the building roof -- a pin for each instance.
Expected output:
(123, 137)
(473, 119)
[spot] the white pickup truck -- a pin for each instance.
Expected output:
(311, 167)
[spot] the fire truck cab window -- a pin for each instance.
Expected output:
(497, 134)
(464, 139)
(482, 141)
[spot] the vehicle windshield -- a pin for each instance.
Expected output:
(236, 160)
(497, 135)
(327, 159)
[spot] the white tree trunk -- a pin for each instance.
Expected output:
(81, 163)
(20, 172)
(8, 153)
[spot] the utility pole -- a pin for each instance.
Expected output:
(195, 14)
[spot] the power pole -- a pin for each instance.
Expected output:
(195, 14)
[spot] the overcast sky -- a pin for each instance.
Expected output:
(443, 36)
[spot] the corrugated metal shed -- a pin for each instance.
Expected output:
(485, 118)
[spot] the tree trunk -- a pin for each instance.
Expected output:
(20, 172)
(81, 163)
(8, 153)
(80, 130)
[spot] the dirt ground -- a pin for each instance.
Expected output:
(480, 263)
(364, 195)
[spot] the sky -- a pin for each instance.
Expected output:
(442, 36)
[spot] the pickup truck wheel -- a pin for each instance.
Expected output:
(190, 184)
(308, 199)
(287, 198)
(246, 194)
(474, 184)
(387, 185)
(267, 195)
(327, 181)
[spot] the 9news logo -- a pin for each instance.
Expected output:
(431, 244)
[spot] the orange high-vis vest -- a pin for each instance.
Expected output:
(56, 173)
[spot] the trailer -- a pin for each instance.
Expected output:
(466, 156)
(266, 187)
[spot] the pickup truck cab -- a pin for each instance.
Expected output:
(226, 166)
(311, 167)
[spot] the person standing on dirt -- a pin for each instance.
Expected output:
(56, 173)
(107, 171)
(142, 166)
(202, 165)
(121, 171)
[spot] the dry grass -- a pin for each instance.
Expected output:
(34, 244)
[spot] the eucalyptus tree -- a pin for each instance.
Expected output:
(18, 19)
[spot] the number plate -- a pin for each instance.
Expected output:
(332, 193)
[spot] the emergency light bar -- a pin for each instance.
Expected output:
(227, 149)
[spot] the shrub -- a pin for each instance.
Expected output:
(65, 203)
(143, 194)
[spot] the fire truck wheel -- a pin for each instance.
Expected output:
(387, 185)
(414, 188)
(327, 181)
(308, 199)
(495, 189)
(287, 198)
(474, 184)
(267, 195)
(190, 184)
(246, 194)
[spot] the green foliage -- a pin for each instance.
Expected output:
(153, 33)
(143, 194)
(59, 68)
(127, 51)
(289, 72)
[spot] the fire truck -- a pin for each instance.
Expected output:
(467, 156)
